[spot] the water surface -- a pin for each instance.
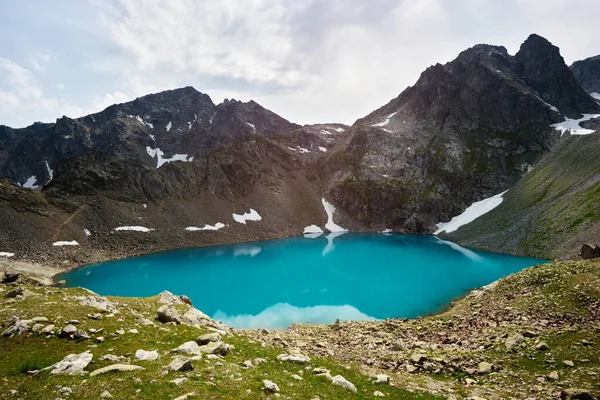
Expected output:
(308, 279)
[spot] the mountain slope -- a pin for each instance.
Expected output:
(587, 73)
(549, 213)
(465, 131)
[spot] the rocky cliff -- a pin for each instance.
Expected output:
(587, 73)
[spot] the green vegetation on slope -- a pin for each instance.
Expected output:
(551, 211)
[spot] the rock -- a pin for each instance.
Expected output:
(295, 358)
(37, 328)
(65, 391)
(97, 316)
(470, 382)
(112, 358)
(179, 381)
(68, 330)
(106, 395)
(11, 294)
(80, 335)
(576, 394)
(320, 370)
(297, 377)
(36, 320)
(553, 375)
(48, 329)
(120, 331)
(181, 364)
(16, 327)
(116, 368)
(187, 348)
(73, 322)
(542, 346)
(377, 393)
(166, 297)
(168, 313)
(186, 300)
(219, 348)
(513, 341)
(418, 358)
(569, 363)
(411, 369)
(484, 367)
(209, 337)
(73, 364)
(145, 322)
(143, 355)
(100, 339)
(398, 345)
(529, 334)
(10, 277)
(100, 303)
(247, 364)
(270, 386)
(186, 396)
(341, 381)
(382, 379)
(590, 251)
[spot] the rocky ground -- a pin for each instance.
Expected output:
(532, 335)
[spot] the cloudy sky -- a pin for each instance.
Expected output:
(308, 60)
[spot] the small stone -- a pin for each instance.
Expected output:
(270, 386)
(65, 391)
(209, 337)
(297, 377)
(106, 395)
(411, 369)
(470, 381)
(339, 380)
(120, 331)
(219, 348)
(247, 364)
(143, 355)
(569, 363)
(320, 370)
(529, 334)
(97, 316)
(553, 375)
(11, 294)
(73, 322)
(134, 331)
(80, 335)
(542, 346)
(100, 339)
(181, 364)
(116, 368)
(377, 393)
(48, 329)
(484, 367)
(418, 358)
(37, 320)
(68, 330)
(179, 381)
(382, 379)
(513, 341)
(37, 328)
(186, 396)
(295, 358)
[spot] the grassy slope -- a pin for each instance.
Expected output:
(209, 379)
(551, 212)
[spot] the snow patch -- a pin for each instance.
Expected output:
(141, 120)
(158, 153)
(168, 127)
(595, 95)
(50, 172)
(323, 149)
(133, 228)
(388, 230)
(324, 132)
(6, 254)
(249, 216)
(386, 121)
(292, 149)
(302, 149)
(30, 183)
(251, 126)
(312, 229)
(573, 127)
(330, 210)
(65, 243)
(550, 106)
(189, 125)
(472, 212)
(215, 227)
(339, 129)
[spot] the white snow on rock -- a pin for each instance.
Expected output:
(313, 229)
(595, 95)
(339, 129)
(472, 212)
(324, 132)
(573, 127)
(160, 160)
(87, 232)
(330, 225)
(189, 125)
(215, 227)
(142, 121)
(65, 243)
(168, 127)
(6, 254)
(302, 149)
(251, 126)
(30, 183)
(50, 172)
(388, 230)
(386, 121)
(292, 149)
(550, 106)
(249, 216)
(323, 149)
(133, 228)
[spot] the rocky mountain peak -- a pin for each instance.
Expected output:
(587, 73)
(544, 69)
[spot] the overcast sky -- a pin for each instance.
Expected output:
(308, 60)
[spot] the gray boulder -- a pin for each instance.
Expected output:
(116, 368)
(181, 364)
(73, 364)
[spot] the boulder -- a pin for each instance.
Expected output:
(116, 368)
(10, 277)
(382, 379)
(16, 327)
(100, 303)
(209, 337)
(576, 394)
(542, 346)
(73, 364)
(590, 251)
(295, 358)
(341, 381)
(484, 367)
(270, 386)
(106, 395)
(218, 348)
(190, 347)
(80, 335)
(168, 313)
(181, 364)
(143, 355)
(18, 291)
(513, 341)
(68, 330)
(166, 297)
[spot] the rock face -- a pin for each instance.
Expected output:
(587, 73)
(589, 251)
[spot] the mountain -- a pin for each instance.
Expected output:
(549, 213)
(587, 73)
(153, 129)
(465, 131)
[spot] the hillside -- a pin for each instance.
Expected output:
(551, 211)
(530, 334)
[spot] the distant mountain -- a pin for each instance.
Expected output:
(466, 130)
(153, 129)
(587, 73)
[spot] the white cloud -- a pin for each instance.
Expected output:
(40, 59)
(110, 99)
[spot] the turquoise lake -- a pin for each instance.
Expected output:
(320, 279)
